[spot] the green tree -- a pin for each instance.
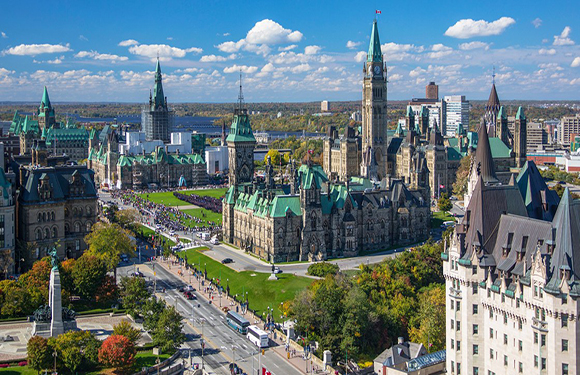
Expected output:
(134, 294)
(429, 321)
(39, 353)
(124, 328)
(444, 203)
(151, 311)
(15, 299)
(126, 218)
(274, 156)
(88, 273)
(322, 269)
(168, 333)
(109, 241)
(460, 184)
(77, 350)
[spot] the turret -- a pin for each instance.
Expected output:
(424, 121)
(502, 126)
(520, 138)
(410, 119)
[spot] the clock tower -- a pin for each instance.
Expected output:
(241, 144)
(374, 115)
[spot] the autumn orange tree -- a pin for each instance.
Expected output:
(117, 352)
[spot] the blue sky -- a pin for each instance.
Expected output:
(289, 50)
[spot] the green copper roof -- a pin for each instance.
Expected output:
(158, 97)
(410, 111)
(520, 115)
(241, 129)
(30, 126)
(313, 174)
(501, 113)
(399, 132)
(66, 135)
(460, 129)
(375, 54)
(45, 99)
(499, 149)
(284, 203)
(424, 111)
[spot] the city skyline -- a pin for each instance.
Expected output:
(295, 52)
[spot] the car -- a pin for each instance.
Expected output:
(189, 288)
(225, 309)
(277, 270)
(138, 274)
(190, 296)
(124, 258)
(181, 289)
(562, 182)
(227, 260)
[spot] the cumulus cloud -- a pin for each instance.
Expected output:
(268, 68)
(288, 48)
(352, 45)
(242, 68)
(416, 72)
(537, 22)
(564, 38)
(360, 56)
(3, 35)
(473, 45)
(128, 42)
(395, 77)
(311, 50)
(439, 50)
(164, 51)
(575, 62)
(547, 51)
(100, 56)
(264, 34)
(36, 49)
(468, 28)
(216, 58)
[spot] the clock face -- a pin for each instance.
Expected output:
(377, 70)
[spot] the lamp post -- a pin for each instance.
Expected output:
(54, 354)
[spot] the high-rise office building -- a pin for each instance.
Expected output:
(432, 91)
(568, 126)
(456, 112)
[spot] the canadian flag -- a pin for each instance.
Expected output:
(377, 11)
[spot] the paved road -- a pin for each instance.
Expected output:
(218, 336)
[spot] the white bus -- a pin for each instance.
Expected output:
(258, 337)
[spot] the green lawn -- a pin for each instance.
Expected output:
(216, 193)
(439, 217)
(261, 291)
(143, 359)
(209, 216)
(168, 199)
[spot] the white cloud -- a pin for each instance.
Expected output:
(56, 61)
(395, 77)
(226, 34)
(311, 50)
(36, 49)
(128, 42)
(268, 68)
(100, 56)
(164, 51)
(352, 45)
(575, 62)
(169, 38)
(4, 35)
(537, 22)
(288, 48)
(270, 32)
(468, 28)
(243, 68)
(564, 38)
(230, 47)
(439, 50)
(360, 56)
(546, 51)
(188, 70)
(473, 45)
(83, 38)
(416, 72)
(216, 58)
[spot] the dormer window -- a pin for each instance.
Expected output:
(550, 247)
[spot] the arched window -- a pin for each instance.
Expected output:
(313, 221)
(38, 234)
(52, 216)
(54, 232)
(66, 229)
(44, 216)
(88, 226)
(77, 227)
(39, 217)
(80, 211)
(89, 211)
(46, 233)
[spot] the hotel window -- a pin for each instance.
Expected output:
(535, 361)
(476, 371)
(458, 325)
(475, 329)
(505, 360)
(474, 288)
(543, 340)
(458, 345)
(475, 349)
(452, 307)
(564, 369)
(490, 313)
(535, 337)
(491, 333)
(520, 367)
(520, 345)
(459, 369)
(490, 353)
(452, 344)
(505, 319)
(452, 324)
(505, 339)
(520, 324)
(564, 345)
(543, 363)
(458, 305)
(474, 309)
(564, 321)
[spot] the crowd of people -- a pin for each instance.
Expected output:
(209, 203)
(166, 217)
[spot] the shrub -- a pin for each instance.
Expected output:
(39, 353)
(322, 269)
(118, 352)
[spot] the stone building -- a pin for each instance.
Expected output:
(512, 277)
(7, 224)
(156, 118)
(310, 217)
(55, 206)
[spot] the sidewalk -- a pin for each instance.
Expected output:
(278, 347)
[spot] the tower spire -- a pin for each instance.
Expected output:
(493, 76)
(241, 94)
(375, 54)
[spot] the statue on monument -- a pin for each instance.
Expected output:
(53, 258)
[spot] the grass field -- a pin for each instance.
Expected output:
(262, 293)
(142, 359)
(209, 216)
(439, 217)
(168, 199)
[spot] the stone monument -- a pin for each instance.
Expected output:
(53, 320)
(273, 275)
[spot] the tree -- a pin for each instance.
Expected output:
(274, 156)
(88, 274)
(15, 299)
(36, 281)
(6, 260)
(118, 352)
(109, 241)
(125, 329)
(322, 269)
(108, 291)
(460, 184)
(77, 350)
(133, 293)
(39, 353)
(126, 218)
(168, 333)
(443, 203)
(151, 312)
(429, 321)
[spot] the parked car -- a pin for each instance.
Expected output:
(277, 270)
(190, 296)
(227, 260)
